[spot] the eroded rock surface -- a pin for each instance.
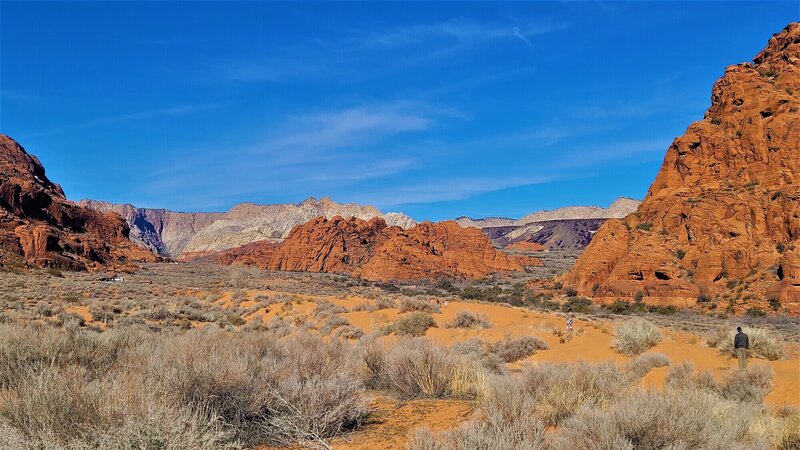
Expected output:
(40, 227)
(722, 218)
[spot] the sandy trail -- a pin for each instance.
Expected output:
(393, 422)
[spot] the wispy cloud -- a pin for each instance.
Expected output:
(347, 52)
(523, 38)
(320, 151)
(456, 30)
(451, 189)
(121, 118)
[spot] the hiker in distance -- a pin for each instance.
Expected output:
(741, 343)
(570, 318)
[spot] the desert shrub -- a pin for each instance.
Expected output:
(302, 388)
(23, 348)
(349, 332)
(363, 306)
(63, 408)
(467, 319)
(325, 307)
(789, 437)
(670, 420)
(333, 323)
(414, 324)
(662, 309)
(203, 389)
(278, 327)
(511, 349)
(755, 311)
(578, 304)
(642, 364)
(570, 292)
(762, 342)
(477, 350)
(635, 336)
(418, 304)
(750, 385)
(235, 320)
(559, 390)
(385, 303)
(416, 368)
(504, 422)
(619, 307)
(53, 272)
(683, 376)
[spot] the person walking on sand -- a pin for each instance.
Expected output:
(741, 343)
(570, 318)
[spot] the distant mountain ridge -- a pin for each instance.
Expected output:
(620, 208)
(177, 234)
(567, 228)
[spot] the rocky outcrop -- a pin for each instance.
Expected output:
(162, 231)
(722, 217)
(485, 222)
(374, 250)
(40, 227)
(189, 235)
(621, 207)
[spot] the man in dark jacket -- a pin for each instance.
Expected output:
(740, 345)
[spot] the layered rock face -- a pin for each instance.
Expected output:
(723, 215)
(39, 226)
(189, 235)
(162, 231)
(620, 208)
(568, 228)
(376, 251)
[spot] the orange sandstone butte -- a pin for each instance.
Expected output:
(723, 214)
(374, 251)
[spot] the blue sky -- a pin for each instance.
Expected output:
(434, 109)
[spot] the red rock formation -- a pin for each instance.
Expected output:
(374, 251)
(723, 215)
(40, 227)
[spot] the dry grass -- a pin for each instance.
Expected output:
(511, 349)
(415, 368)
(414, 324)
(209, 389)
(504, 422)
(674, 419)
(418, 304)
(468, 319)
(635, 336)
(642, 364)
(762, 343)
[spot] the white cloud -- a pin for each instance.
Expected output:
(457, 30)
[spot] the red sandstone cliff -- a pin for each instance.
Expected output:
(39, 226)
(374, 251)
(722, 217)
